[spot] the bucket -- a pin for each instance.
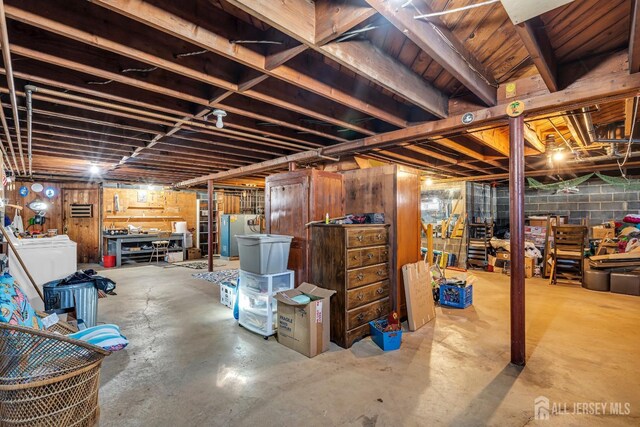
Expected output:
(180, 227)
(109, 261)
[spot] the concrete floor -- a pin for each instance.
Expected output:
(189, 363)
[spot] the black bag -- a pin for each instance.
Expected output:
(102, 283)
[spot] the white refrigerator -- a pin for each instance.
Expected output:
(47, 259)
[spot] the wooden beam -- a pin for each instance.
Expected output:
(585, 92)
(334, 18)
(462, 149)
(531, 137)
(182, 28)
(634, 38)
(277, 59)
(365, 59)
(629, 103)
(536, 41)
(360, 57)
(414, 161)
(436, 40)
(573, 125)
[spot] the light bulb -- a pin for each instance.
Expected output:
(94, 169)
(558, 156)
(219, 123)
(429, 181)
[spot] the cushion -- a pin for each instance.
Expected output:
(15, 308)
(105, 336)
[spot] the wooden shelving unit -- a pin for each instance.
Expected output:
(478, 242)
(202, 216)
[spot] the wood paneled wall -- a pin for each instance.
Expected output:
(84, 231)
(55, 212)
(149, 208)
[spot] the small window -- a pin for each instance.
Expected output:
(81, 211)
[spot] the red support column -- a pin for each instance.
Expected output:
(516, 220)
(210, 224)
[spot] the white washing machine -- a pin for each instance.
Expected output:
(47, 259)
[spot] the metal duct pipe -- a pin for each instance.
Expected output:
(29, 89)
(588, 123)
(600, 158)
(6, 56)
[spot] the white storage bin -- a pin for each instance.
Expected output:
(261, 283)
(257, 307)
(264, 253)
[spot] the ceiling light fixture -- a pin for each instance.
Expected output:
(94, 169)
(219, 114)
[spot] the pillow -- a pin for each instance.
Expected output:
(105, 336)
(15, 308)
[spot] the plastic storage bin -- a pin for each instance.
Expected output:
(456, 296)
(387, 341)
(264, 253)
(271, 283)
(256, 306)
(81, 296)
(228, 294)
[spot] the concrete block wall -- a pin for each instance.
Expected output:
(596, 201)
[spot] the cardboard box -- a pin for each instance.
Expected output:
(194, 253)
(175, 256)
(538, 222)
(529, 267)
(304, 327)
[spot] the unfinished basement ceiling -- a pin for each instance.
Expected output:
(127, 85)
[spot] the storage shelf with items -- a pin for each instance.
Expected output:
(257, 307)
(202, 225)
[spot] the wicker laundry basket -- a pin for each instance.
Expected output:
(47, 379)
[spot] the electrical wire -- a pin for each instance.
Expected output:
(139, 70)
(198, 52)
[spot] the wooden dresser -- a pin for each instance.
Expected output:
(352, 260)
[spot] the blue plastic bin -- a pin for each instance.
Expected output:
(387, 341)
(456, 296)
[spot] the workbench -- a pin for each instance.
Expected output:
(120, 246)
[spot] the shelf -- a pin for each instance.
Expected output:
(148, 251)
(139, 217)
(146, 207)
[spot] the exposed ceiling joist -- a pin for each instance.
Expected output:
(440, 44)
(181, 28)
(334, 18)
(532, 137)
(629, 105)
(359, 56)
(536, 41)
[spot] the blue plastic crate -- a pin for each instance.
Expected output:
(387, 341)
(456, 296)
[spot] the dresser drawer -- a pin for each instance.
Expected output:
(356, 334)
(365, 275)
(367, 256)
(362, 315)
(366, 294)
(357, 238)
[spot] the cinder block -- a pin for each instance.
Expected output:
(591, 206)
(601, 197)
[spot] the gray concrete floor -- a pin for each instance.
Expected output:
(189, 363)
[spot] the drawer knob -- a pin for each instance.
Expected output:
(379, 236)
(379, 310)
(360, 238)
(355, 257)
(360, 276)
(381, 272)
(380, 291)
(369, 255)
(360, 317)
(385, 253)
(360, 296)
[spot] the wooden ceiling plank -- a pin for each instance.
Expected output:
(274, 60)
(492, 138)
(531, 136)
(436, 40)
(536, 41)
(360, 57)
(629, 103)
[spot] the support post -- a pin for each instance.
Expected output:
(210, 224)
(292, 166)
(516, 213)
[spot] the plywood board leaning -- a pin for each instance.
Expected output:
(417, 284)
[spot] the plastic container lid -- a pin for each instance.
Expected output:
(257, 239)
